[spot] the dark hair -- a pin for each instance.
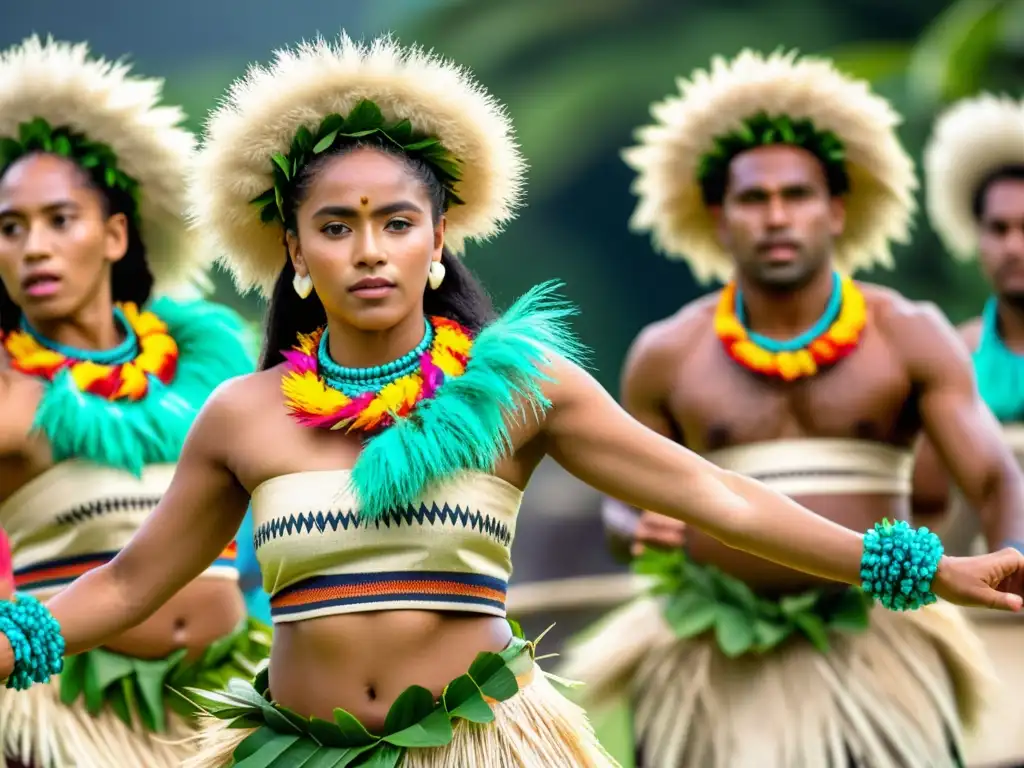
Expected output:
(714, 185)
(1004, 173)
(130, 278)
(460, 297)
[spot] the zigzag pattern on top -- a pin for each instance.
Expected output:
(84, 512)
(434, 515)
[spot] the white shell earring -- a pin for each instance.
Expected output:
(436, 275)
(303, 285)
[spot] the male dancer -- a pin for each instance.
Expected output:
(974, 175)
(782, 177)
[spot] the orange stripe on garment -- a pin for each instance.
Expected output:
(388, 587)
(57, 573)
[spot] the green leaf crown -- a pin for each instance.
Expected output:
(98, 159)
(365, 121)
(763, 130)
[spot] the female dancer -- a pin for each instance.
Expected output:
(97, 390)
(385, 453)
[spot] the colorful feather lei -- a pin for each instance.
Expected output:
(835, 342)
(314, 402)
(478, 387)
(213, 345)
(157, 357)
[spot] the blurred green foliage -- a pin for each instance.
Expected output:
(579, 78)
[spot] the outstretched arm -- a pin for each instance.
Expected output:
(195, 520)
(965, 435)
(594, 439)
(646, 383)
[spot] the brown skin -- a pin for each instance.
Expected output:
(6, 574)
(908, 374)
(53, 222)
(244, 437)
(1001, 252)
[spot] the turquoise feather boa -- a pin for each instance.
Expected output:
(213, 345)
(465, 426)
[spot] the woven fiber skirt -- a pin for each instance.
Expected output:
(107, 710)
(503, 713)
(823, 680)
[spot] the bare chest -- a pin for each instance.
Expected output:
(868, 396)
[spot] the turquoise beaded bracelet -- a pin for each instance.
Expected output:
(35, 638)
(898, 565)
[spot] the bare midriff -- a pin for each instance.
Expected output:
(362, 662)
(206, 610)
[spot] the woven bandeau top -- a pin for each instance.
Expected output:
(448, 550)
(78, 515)
(820, 466)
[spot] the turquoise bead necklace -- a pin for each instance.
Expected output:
(831, 314)
(123, 353)
(353, 382)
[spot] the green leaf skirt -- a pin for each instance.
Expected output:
(109, 709)
(701, 598)
(417, 726)
(714, 674)
(142, 691)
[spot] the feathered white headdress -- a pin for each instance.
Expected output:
(970, 140)
(59, 83)
(265, 111)
(716, 103)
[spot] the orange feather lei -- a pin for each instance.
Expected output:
(838, 341)
(313, 401)
(157, 357)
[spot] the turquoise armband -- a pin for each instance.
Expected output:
(898, 565)
(35, 638)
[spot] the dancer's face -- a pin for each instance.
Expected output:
(1001, 240)
(778, 219)
(366, 235)
(57, 243)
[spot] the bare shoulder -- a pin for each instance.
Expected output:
(668, 340)
(896, 316)
(236, 402)
(18, 391)
(920, 333)
(19, 399)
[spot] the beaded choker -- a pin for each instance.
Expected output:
(320, 393)
(833, 337)
(121, 373)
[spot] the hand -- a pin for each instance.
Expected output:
(659, 531)
(994, 581)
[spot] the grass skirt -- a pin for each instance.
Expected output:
(112, 711)
(897, 695)
(40, 731)
(526, 723)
